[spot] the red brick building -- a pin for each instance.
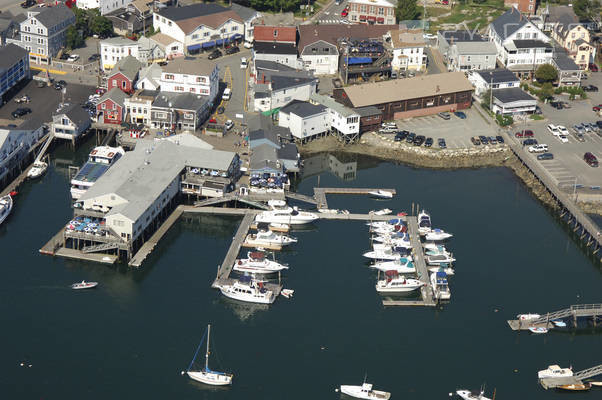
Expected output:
(110, 108)
(277, 34)
(123, 75)
(524, 6)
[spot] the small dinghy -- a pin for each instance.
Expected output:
(381, 194)
(559, 323)
(84, 285)
(538, 330)
(288, 293)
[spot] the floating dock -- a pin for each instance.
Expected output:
(571, 313)
(320, 193)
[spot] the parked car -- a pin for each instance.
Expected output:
(545, 156)
(28, 3)
(220, 110)
(73, 58)
(553, 129)
(214, 54)
(499, 139)
(94, 57)
(232, 50)
(444, 115)
(344, 13)
(475, 140)
(428, 142)
(562, 130)
(579, 136)
(419, 140)
(492, 140)
(227, 94)
(411, 137)
(243, 63)
(599, 124)
(529, 142)
(402, 135)
(593, 67)
(590, 88)
(483, 139)
(538, 110)
(441, 143)
(229, 124)
(563, 138)
(597, 108)
(460, 114)
(21, 111)
(526, 133)
(22, 99)
(248, 44)
(538, 148)
(557, 105)
(590, 159)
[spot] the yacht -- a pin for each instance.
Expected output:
(257, 263)
(395, 283)
(403, 265)
(263, 238)
(388, 229)
(554, 371)
(440, 285)
(99, 161)
(381, 194)
(397, 242)
(471, 395)
(6, 205)
(437, 234)
(37, 170)
(385, 253)
(424, 222)
(438, 259)
(286, 215)
(364, 391)
(248, 290)
(384, 211)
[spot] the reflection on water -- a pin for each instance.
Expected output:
(343, 166)
(244, 311)
(210, 225)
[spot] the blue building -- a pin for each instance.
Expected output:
(14, 66)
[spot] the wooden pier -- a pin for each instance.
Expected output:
(572, 313)
(320, 193)
(576, 379)
(225, 268)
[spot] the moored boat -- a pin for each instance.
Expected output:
(395, 283)
(576, 387)
(364, 391)
(381, 194)
(206, 375)
(471, 395)
(37, 170)
(437, 235)
(267, 238)
(257, 263)
(439, 259)
(385, 253)
(6, 205)
(440, 285)
(101, 158)
(403, 265)
(290, 216)
(84, 285)
(424, 222)
(554, 371)
(442, 268)
(384, 211)
(538, 330)
(248, 290)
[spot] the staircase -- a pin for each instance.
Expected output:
(581, 310)
(588, 373)
(100, 247)
(45, 147)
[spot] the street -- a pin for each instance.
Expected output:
(331, 14)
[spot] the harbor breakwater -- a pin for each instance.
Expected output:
(375, 145)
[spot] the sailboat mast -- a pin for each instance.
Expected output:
(207, 353)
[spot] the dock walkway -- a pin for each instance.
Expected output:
(577, 378)
(226, 267)
(573, 312)
(320, 193)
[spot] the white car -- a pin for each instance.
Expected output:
(248, 45)
(562, 130)
(229, 124)
(243, 63)
(73, 58)
(227, 93)
(563, 138)
(553, 129)
(538, 148)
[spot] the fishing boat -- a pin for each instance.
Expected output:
(257, 263)
(395, 283)
(6, 205)
(472, 395)
(206, 375)
(437, 235)
(403, 265)
(266, 238)
(101, 158)
(84, 285)
(248, 290)
(37, 170)
(554, 371)
(538, 330)
(364, 391)
(439, 259)
(576, 387)
(440, 285)
(424, 222)
(381, 194)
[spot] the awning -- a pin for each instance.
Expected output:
(271, 112)
(236, 36)
(371, 18)
(219, 41)
(194, 47)
(380, 20)
(362, 17)
(208, 44)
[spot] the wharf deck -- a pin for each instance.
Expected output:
(78, 255)
(16, 182)
(225, 268)
(219, 210)
(269, 246)
(150, 244)
(357, 217)
(427, 291)
(320, 193)
(417, 303)
(577, 378)
(53, 244)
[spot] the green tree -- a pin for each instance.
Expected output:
(407, 10)
(101, 26)
(581, 8)
(486, 99)
(546, 73)
(73, 38)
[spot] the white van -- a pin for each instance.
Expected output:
(227, 94)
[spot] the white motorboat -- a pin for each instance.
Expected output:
(288, 293)
(364, 391)
(433, 249)
(206, 375)
(249, 290)
(264, 238)
(424, 222)
(439, 259)
(527, 317)
(440, 285)
(396, 242)
(332, 211)
(276, 227)
(538, 330)
(381, 194)
(257, 263)
(384, 211)
(395, 283)
(288, 215)
(84, 285)
(448, 270)
(383, 254)
(403, 265)
(554, 371)
(471, 395)
(37, 170)
(388, 229)
(6, 205)
(437, 234)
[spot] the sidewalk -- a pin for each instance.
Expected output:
(68, 75)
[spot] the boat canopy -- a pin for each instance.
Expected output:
(441, 274)
(245, 278)
(391, 272)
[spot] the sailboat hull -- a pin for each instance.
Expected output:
(211, 378)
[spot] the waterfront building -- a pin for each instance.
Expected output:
(343, 120)
(370, 118)
(304, 120)
(15, 145)
(123, 75)
(70, 122)
(512, 101)
(372, 12)
(498, 78)
(14, 67)
(179, 111)
(407, 47)
(110, 108)
(410, 97)
(279, 90)
(138, 107)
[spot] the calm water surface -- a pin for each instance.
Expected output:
(133, 335)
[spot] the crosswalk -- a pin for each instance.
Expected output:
(331, 21)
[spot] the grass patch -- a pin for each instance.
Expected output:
(436, 11)
(536, 117)
(474, 15)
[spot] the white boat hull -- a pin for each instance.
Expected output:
(410, 285)
(211, 378)
(252, 295)
(37, 170)
(468, 395)
(437, 236)
(267, 267)
(82, 286)
(358, 393)
(301, 219)
(395, 266)
(6, 205)
(448, 271)
(379, 255)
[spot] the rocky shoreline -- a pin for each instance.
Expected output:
(375, 145)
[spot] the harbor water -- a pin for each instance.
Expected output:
(133, 335)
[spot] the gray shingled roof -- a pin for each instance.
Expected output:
(115, 95)
(284, 82)
(52, 16)
(195, 10)
(264, 156)
(510, 95)
(530, 44)
(331, 103)
(274, 48)
(128, 66)
(77, 114)
(508, 23)
(564, 62)
(288, 151)
(321, 47)
(476, 47)
(461, 36)
(180, 101)
(245, 13)
(303, 108)
(10, 55)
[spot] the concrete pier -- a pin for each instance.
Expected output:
(225, 268)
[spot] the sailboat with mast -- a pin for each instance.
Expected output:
(206, 375)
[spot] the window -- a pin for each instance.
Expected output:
(169, 77)
(519, 35)
(234, 28)
(195, 36)
(205, 34)
(104, 106)
(223, 30)
(169, 23)
(114, 82)
(275, 32)
(381, 11)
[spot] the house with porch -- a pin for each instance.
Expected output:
(70, 122)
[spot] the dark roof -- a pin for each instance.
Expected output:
(461, 36)
(52, 16)
(128, 66)
(320, 47)
(564, 62)
(282, 82)
(367, 111)
(180, 101)
(497, 75)
(76, 113)
(529, 44)
(264, 156)
(115, 94)
(274, 48)
(331, 33)
(288, 151)
(562, 14)
(508, 23)
(192, 11)
(510, 95)
(266, 134)
(303, 108)
(272, 66)
(10, 55)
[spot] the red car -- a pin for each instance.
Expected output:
(597, 108)
(344, 13)
(525, 133)
(593, 67)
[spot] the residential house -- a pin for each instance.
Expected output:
(569, 33)
(277, 90)
(282, 53)
(512, 101)
(110, 108)
(14, 67)
(14, 150)
(103, 6)
(114, 49)
(407, 46)
(499, 78)
(528, 7)
(445, 39)
(569, 73)
(123, 75)
(149, 78)
(275, 34)
(70, 122)
(185, 76)
(410, 97)
(43, 33)
(199, 25)
(304, 120)
(267, 134)
(168, 45)
(343, 121)
(249, 17)
(138, 107)
(263, 159)
(521, 46)
(9, 26)
(468, 56)
(125, 22)
(179, 111)
(320, 57)
(150, 51)
(373, 12)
